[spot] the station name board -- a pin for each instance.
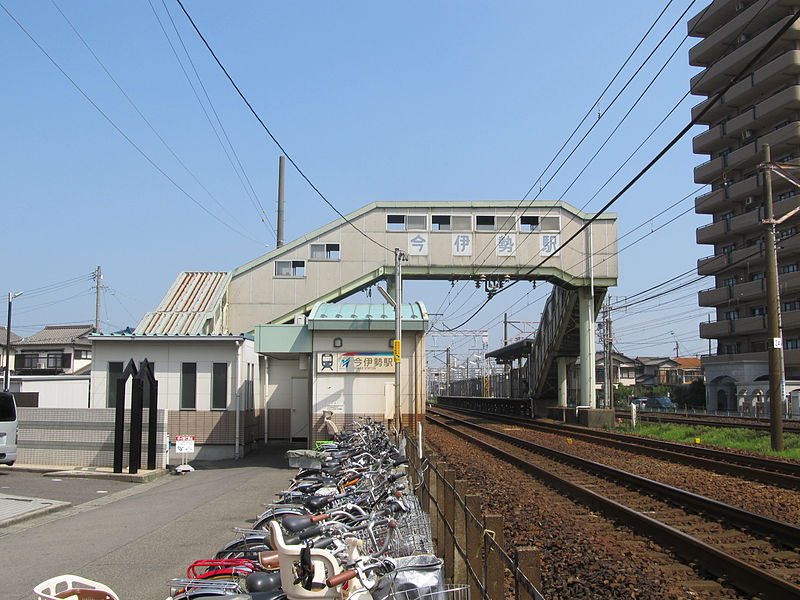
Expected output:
(355, 362)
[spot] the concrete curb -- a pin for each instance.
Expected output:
(56, 506)
(141, 477)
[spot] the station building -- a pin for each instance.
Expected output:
(266, 351)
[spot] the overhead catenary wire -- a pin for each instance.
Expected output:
(272, 136)
(696, 119)
(119, 130)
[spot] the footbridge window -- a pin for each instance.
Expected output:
(494, 223)
(407, 222)
(451, 222)
(290, 268)
(325, 252)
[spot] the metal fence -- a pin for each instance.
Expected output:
(470, 542)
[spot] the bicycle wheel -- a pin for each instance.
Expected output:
(244, 549)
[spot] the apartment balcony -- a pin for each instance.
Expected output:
(710, 141)
(750, 325)
(750, 254)
(748, 21)
(714, 296)
(711, 265)
(713, 232)
(751, 186)
(783, 68)
(746, 156)
(790, 320)
(711, 202)
(789, 284)
(715, 329)
(711, 18)
(782, 207)
(720, 72)
(749, 290)
(780, 69)
(765, 113)
(710, 170)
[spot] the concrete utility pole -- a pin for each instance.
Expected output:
(448, 372)
(399, 257)
(98, 277)
(7, 372)
(281, 175)
(609, 357)
(774, 341)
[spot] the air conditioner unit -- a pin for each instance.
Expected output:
(742, 38)
(740, 6)
(747, 134)
(300, 320)
(749, 201)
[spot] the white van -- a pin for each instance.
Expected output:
(8, 429)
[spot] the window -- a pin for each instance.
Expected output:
(407, 222)
(757, 311)
(83, 354)
(188, 386)
(290, 268)
(727, 216)
(54, 360)
(790, 306)
(785, 195)
(729, 282)
(731, 315)
(728, 249)
(730, 348)
(756, 276)
(219, 386)
(451, 223)
(114, 375)
(325, 252)
(792, 344)
(785, 233)
(528, 223)
(789, 268)
(493, 223)
(27, 361)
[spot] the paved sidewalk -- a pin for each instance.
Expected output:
(137, 539)
(14, 509)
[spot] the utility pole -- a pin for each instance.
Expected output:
(7, 372)
(608, 360)
(98, 277)
(448, 372)
(281, 175)
(774, 341)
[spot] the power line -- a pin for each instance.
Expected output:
(118, 129)
(659, 155)
(272, 137)
(251, 192)
(141, 114)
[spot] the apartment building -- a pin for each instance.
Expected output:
(761, 108)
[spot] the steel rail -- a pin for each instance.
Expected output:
(740, 574)
(665, 417)
(764, 470)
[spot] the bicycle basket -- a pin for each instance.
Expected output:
(438, 592)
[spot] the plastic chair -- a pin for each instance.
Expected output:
(72, 587)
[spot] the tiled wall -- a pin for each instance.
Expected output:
(78, 437)
(279, 422)
(217, 426)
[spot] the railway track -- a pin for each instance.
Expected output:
(754, 468)
(752, 553)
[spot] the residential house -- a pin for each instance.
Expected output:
(660, 370)
(55, 350)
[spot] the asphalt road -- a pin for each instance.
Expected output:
(67, 489)
(137, 536)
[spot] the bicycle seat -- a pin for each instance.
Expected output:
(296, 523)
(315, 503)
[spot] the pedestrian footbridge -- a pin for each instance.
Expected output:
(490, 242)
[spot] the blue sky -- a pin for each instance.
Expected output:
(375, 101)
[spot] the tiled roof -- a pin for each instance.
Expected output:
(14, 337)
(190, 305)
(58, 334)
(688, 363)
